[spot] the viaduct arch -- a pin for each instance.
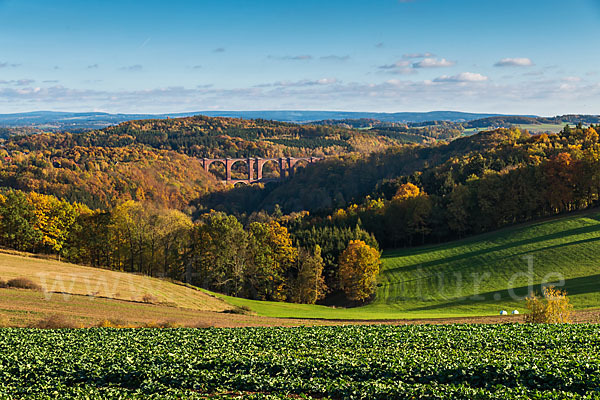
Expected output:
(286, 167)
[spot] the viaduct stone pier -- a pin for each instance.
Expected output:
(285, 164)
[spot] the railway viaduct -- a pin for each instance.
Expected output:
(286, 167)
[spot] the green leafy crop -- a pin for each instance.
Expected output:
(354, 362)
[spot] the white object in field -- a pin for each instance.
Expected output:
(515, 312)
(503, 312)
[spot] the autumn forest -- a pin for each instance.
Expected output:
(135, 197)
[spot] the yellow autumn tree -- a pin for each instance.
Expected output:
(273, 254)
(407, 191)
(358, 269)
(282, 243)
(553, 308)
(309, 285)
(54, 219)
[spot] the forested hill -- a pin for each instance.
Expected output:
(202, 136)
(159, 160)
(105, 177)
(449, 129)
(80, 121)
(506, 121)
(339, 182)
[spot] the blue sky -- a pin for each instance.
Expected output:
(510, 56)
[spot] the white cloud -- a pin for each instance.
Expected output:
(132, 68)
(301, 57)
(514, 62)
(326, 81)
(406, 66)
(402, 67)
(467, 92)
(418, 55)
(433, 63)
(18, 82)
(334, 57)
(462, 77)
(24, 82)
(304, 82)
(397, 64)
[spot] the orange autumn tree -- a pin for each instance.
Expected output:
(358, 268)
(406, 216)
(407, 191)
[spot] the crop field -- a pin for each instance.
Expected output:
(354, 362)
(543, 128)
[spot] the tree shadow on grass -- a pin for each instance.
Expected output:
(497, 260)
(482, 252)
(573, 286)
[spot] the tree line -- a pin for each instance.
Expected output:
(523, 179)
(260, 260)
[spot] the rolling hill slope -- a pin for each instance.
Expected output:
(57, 278)
(497, 269)
(477, 276)
(87, 296)
(74, 121)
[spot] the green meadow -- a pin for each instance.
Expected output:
(479, 275)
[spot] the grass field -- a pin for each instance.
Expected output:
(22, 308)
(89, 295)
(543, 128)
(532, 128)
(54, 276)
(477, 276)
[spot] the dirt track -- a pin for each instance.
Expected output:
(587, 316)
(25, 307)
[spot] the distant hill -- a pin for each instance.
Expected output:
(506, 121)
(449, 129)
(70, 121)
(75, 122)
(202, 136)
(311, 116)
